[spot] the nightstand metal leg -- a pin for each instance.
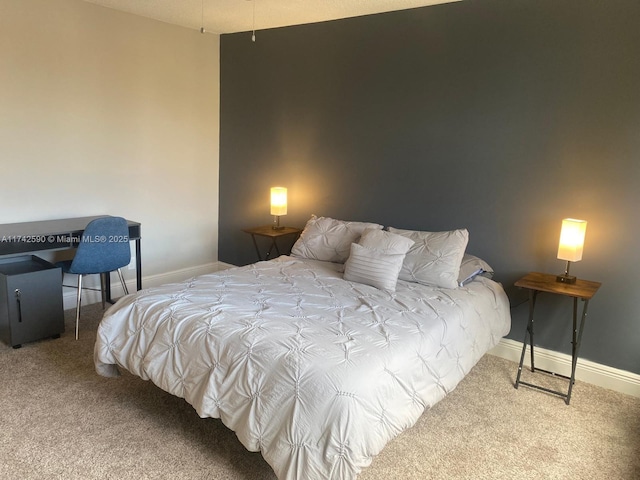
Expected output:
(575, 348)
(255, 244)
(272, 234)
(533, 295)
(532, 302)
(575, 344)
(274, 245)
(582, 289)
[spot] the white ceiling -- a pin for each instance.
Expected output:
(228, 16)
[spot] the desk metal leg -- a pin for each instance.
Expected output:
(107, 288)
(107, 277)
(138, 265)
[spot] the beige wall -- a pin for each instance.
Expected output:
(103, 112)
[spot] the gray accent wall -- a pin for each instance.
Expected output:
(499, 116)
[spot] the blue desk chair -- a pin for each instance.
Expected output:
(103, 248)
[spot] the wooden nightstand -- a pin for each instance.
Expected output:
(544, 282)
(269, 232)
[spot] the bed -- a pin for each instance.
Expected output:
(311, 367)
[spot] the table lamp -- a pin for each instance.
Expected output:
(571, 245)
(278, 205)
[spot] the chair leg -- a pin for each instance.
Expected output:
(124, 285)
(78, 303)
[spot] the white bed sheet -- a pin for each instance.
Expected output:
(315, 372)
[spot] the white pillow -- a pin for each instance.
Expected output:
(385, 242)
(471, 267)
(329, 240)
(373, 267)
(435, 257)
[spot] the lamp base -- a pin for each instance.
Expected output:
(276, 223)
(570, 279)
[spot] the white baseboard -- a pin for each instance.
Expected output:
(224, 266)
(586, 371)
(93, 296)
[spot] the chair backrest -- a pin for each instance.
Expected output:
(103, 247)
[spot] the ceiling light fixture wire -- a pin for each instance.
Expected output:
(253, 35)
(202, 30)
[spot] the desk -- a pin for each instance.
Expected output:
(60, 234)
(543, 282)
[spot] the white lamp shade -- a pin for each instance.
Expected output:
(278, 201)
(572, 239)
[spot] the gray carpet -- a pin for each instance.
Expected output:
(59, 420)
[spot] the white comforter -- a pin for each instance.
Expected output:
(315, 372)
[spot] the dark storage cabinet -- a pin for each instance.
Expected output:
(30, 300)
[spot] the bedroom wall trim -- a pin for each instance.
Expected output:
(91, 296)
(586, 371)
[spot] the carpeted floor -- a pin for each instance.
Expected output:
(60, 420)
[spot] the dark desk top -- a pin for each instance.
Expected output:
(48, 234)
(50, 227)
